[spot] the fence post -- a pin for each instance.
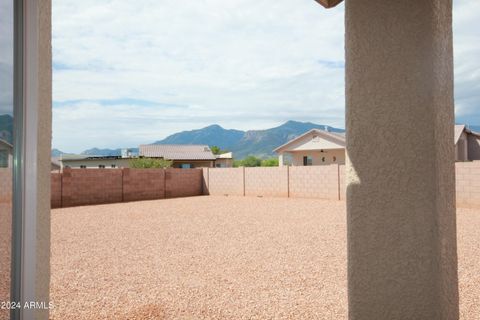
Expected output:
(338, 183)
(165, 170)
(244, 193)
(123, 191)
(288, 181)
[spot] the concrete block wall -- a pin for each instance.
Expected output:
(143, 184)
(94, 186)
(183, 182)
(225, 181)
(5, 185)
(56, 191)
(468, 183)
(75, 187)
(321, 182)
(85, 186)
(266, 181)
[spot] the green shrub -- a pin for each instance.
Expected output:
(147, 163)
(272, 162)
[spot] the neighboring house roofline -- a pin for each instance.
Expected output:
(461, 128)
(227, 155)
(336, 137)
(177, 152)
(89, 157)
(6, 143)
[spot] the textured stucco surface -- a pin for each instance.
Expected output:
(217, 258)
(44, 138)
(402, 261)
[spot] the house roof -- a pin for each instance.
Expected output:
(460, 128)
(177, 152)
(337, 137)
(329, 3)
(76, 157)
(5, 143)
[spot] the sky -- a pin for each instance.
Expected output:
(132, 72)
(6, 57)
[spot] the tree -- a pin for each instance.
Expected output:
(217, 150)
(271, 162)
(147, 163)
(251, 161)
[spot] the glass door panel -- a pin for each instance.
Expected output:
(6, 152)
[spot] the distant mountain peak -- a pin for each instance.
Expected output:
(260, 143)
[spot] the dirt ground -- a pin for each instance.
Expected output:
(217, 258)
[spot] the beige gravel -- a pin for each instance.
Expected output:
(216, 258)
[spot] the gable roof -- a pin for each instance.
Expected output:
(177, 152)
(460, 128)
(337, 137)
(5, 143)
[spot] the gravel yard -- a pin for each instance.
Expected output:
(217, 258)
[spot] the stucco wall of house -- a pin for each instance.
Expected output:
(193, 163)
(461, 148)
(44, 138)
(473, 148)
(119, 163)
(313, 141)
(402, 256)
(319, 158)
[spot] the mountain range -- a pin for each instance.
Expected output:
(259, 143)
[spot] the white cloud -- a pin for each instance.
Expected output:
(6, 57)
(466, 31)
(241, 63)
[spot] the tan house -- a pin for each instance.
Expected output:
(6, 154)
(313, 148)
(467, 144)
(187, 156)
(319, 147)
(224, 160)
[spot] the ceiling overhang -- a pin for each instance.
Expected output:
(329, 3)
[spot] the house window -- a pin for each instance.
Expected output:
(185, 166)
(3, 159)
(114, 166)
(307, 161)
(101, 166)
(334, 158)
(83, 166)
(323, 159)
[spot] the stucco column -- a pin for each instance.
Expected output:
(402, 256)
